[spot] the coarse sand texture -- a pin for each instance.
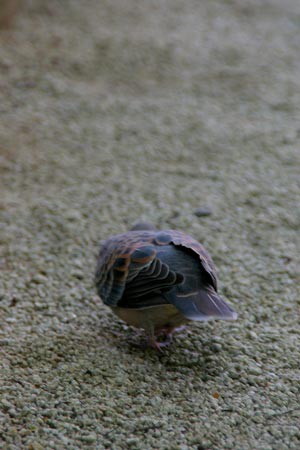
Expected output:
(185, 114)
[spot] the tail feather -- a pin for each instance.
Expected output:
(204, 304)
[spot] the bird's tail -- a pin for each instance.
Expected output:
(204, 304)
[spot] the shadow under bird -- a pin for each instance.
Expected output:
(158, 281)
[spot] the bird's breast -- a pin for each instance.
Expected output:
(158, 317)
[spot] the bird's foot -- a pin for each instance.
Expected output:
(167, 334)
(159, 345)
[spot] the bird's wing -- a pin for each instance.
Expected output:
(178, 238)
(196, 297)
(128, 270)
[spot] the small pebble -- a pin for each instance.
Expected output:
(202, 212)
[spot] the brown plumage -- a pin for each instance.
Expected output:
(159, 280)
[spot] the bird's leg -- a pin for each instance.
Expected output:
(152, 337)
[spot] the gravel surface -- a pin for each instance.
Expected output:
(118, 111)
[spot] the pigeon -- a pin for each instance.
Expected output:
(159, 280)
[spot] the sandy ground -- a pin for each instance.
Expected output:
(113, 111)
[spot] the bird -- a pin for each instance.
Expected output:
(159, 280)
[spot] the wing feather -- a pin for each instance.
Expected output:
(128, 268)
